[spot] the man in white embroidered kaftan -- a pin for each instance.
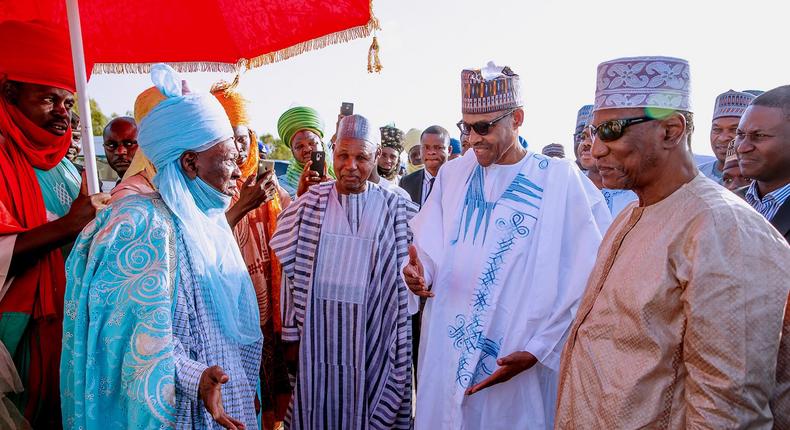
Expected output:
(503, 248)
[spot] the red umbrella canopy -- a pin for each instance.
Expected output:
(201, 35)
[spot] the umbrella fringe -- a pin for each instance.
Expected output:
(261, 60)
(344, 36)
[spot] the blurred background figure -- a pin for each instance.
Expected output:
(455, 148)
(411, 145)
(726, 113)
(554, 150)
(732, 179)
(76, 136)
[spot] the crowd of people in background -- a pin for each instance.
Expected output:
(393, 279)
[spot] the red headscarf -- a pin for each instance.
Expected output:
(36, 52)
(40, 54)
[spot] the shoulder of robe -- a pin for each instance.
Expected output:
(308, 200)
(135, 212)
(395, 201)
(725, 213)
(317, 191)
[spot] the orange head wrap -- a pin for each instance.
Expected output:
(144, 103)
(236, 108)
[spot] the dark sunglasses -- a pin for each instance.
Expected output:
(481, 127)
(128, 144)
(610, 131)
(579, 137)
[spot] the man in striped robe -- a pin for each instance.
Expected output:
(341, 245)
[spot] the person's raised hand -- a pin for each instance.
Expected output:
(84, 208)
(256, 191)
(414, 274)
(309, 178)
(210, 391)
(509, 366)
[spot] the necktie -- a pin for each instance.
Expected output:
(430, 187)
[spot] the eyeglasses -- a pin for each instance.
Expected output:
(128, 144)
(580, 136)
(609, 131)
(481, 127)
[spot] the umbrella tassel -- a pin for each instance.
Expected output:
(374, 64)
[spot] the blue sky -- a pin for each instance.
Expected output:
(554, 45)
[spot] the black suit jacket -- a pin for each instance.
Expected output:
(412, 183)
(781, 220)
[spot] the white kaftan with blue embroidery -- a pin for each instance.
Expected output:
(507, 250)
(617, 200)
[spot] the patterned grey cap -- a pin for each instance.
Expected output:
(649, 82)
(358, 127)
(732, 103)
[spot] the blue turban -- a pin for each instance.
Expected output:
(455, 146)
(196, 122)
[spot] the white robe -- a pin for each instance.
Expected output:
(508, 250)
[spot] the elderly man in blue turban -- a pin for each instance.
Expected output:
(161, 321)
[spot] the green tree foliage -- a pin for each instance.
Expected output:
(281, 151)
(98, 118)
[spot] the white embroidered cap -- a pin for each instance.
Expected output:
(650, 82)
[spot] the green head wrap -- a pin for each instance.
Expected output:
(291, 122)
(297, 119)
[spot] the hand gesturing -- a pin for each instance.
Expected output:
(414, 274)
(509, 366)
(210, 391)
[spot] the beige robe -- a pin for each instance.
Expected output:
(679, 326)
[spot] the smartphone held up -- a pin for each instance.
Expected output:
(318, 162)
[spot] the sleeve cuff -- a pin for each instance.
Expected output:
(547, 357)
(290, 334)
(188, 373)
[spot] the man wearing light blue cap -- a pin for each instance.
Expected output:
(161, 320)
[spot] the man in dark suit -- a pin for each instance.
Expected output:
(435, 150)
(763, 144)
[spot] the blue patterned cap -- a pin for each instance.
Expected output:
(732, 103)
(647, 82)
(583, 117)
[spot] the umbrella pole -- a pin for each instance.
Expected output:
(81, 78)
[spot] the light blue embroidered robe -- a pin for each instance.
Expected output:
(136, 333)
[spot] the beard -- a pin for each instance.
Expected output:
(388, 174)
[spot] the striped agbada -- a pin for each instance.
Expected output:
(346, 305)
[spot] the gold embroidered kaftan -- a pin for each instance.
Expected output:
(679, 326)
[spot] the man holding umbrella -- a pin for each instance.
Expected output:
(41, 207)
